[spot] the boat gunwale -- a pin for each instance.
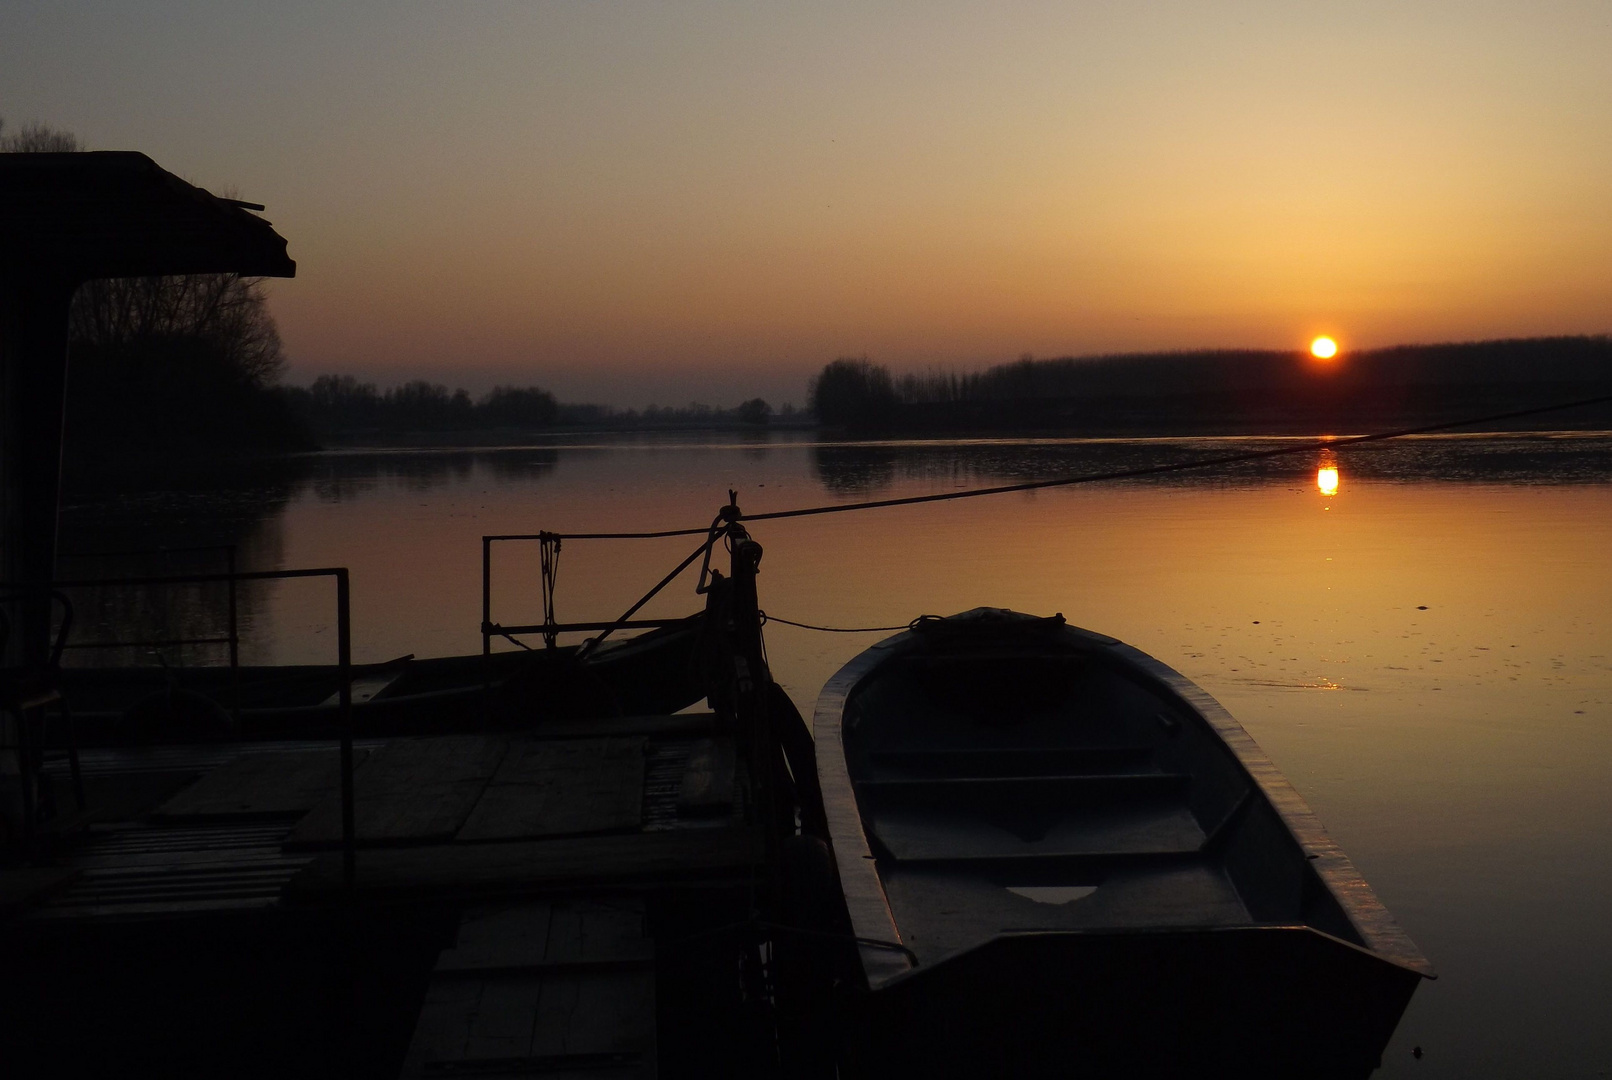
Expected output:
(865, 899)
(1379, 931)
(863, 887)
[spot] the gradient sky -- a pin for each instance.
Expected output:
(637, 202)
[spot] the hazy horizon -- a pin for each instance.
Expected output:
(1444, 362)
(632, 204)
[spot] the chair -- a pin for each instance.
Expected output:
(27, 694)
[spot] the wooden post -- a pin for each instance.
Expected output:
(754, 679)
(34, 303)
(344, 645)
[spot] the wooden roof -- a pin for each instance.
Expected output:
(119, 214)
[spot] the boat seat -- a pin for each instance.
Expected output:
(1152, 894)
(1010, 761)
(919, 834)
(1022, 791)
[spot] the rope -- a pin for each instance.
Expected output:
(1118, 474)
(1180, 466)
(765, 618)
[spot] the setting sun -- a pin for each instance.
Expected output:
(1323, 348)
(1326, 479)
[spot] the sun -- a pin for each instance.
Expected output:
(1323, 348)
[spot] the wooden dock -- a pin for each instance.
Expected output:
(549, 902)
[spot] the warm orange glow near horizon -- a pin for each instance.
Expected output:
(1323, 348)
(697, 201)
(1326, 479)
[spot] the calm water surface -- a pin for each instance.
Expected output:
(1426, 652)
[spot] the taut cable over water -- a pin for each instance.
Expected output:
(731, 514)
(1092, 478)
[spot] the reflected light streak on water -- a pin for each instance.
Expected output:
(1326, 479)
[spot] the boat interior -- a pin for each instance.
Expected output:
(1061, 788)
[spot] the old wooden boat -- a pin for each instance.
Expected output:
(652, 673)
(1061, 857)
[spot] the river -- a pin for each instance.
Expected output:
(1421, 640)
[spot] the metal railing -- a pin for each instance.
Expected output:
(550, 628)
(232, 637)
(344, 666)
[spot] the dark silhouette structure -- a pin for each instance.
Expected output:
(68, 218)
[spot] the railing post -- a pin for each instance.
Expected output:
(234, 620)
(486, 595)
(234, 638)
(344, 643)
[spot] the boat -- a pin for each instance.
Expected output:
(652, 673)
(1061, 857)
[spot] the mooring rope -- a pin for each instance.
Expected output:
(766, 618)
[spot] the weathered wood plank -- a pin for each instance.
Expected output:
(597, 931)
(505, 1018)
(442, 1030)
(368, 687)
(707, 789)
(21, 886)
(595, 1012)
(701, 723)
(561, 788)
(409, 791)
(550, 933)
(499, 936)
(490, 869)
(597, 1023)
(266, 785)
(557, 987)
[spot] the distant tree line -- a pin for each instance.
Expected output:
(1223, 391)
(341, 405)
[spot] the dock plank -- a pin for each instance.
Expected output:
(595, 1013)
(268, 785)
(557, 987)
(409, 791)
(504, 1019)
(492, 869)
(23, 886)
(549, 788)
(674, 726)
(707, 788)
(590, 931)
(499, 936)
(567, 931)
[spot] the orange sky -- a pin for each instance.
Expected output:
(635, 203)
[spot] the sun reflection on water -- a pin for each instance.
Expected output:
(1326, 479)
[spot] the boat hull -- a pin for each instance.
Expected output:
(652, 674)
(1060, 857)
(1242, 1002)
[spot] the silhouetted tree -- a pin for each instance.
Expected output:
(425, 406)
(522, 407)
(853, 393)
(224, 313)
(168, 363)
(36, 138)
(755, 411)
